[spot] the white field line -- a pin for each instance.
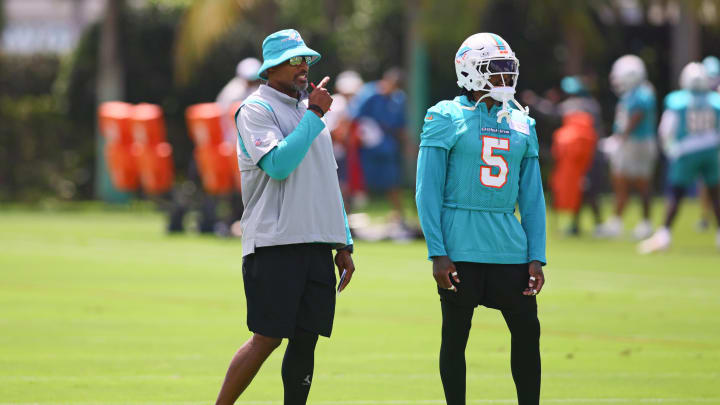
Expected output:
(414, 402)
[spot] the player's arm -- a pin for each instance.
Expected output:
(288, 153)
(262, 138)
(263, 141)
(436, 140)
(531, 202)
(429, 189)
(636, 112)
(634, 120)
(668, 132)
(435, 143)
(343, 258)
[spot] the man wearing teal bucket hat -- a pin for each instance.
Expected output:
(293, 218)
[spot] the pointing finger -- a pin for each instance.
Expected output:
(323, 82)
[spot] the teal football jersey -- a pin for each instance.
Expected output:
(640, 99)
(486, 168)
(690, 136)
(696, 115)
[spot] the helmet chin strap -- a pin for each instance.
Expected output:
(504, 111)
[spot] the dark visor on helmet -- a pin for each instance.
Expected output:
(502, 66)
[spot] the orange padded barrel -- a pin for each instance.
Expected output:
(573, 149)
(114, 124)
(150, 148)
(215, 157)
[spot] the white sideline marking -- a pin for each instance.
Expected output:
(413, 402)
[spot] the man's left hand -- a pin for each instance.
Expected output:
(537, 278)
(344, 261)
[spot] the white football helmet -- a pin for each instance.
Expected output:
(694, 77)
(627, 73)
(482, 56)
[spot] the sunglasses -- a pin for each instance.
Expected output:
(297, 60)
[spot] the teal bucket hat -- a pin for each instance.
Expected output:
(281, 46)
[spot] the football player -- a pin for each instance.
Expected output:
(712, 67)
(632, 148)
(690, 139)
(478, 159)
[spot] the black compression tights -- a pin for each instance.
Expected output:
(297, 367)
(525, 353)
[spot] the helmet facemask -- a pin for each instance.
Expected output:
(478, 74)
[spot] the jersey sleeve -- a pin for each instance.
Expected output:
(438, 130)
(287, 154)
(533, 148)
(668, 131)
(531, 202)
(429, 187)
(643, 100)
(258, 132)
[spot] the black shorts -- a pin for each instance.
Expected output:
(498, 286)
(289, 287)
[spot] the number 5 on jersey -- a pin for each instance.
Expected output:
(490, 144)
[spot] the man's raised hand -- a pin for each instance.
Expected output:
(320, 96)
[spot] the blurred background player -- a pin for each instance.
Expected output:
(239, 87)
(574, 154)
(232, 94)
(229, 99)
(573, 149)
(712, 67)
(690, 138)
(379, 110)
(338, 121)
(632, 148)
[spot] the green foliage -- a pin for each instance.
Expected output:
(40, 154)
(365, 35)
(27, 74)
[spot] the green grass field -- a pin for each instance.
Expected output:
(101, 307)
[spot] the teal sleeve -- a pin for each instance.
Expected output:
(533, 147)
(429, 190)
(437, 130)
(531, 202)
(642, 101)
(348, 236)
(288, 153)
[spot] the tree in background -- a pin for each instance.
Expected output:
(2, 15)
(179, 52)
(110, 87)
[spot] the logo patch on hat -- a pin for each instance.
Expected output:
(295, 36)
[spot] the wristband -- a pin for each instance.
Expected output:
(317, 109)
(347, 248)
